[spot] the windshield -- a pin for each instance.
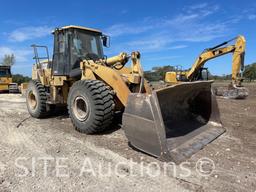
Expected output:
(5, 72)
(87, 46)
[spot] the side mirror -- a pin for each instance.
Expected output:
(106, 40)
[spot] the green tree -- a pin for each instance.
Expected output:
(18, 78)
(8, 60)
(158, 73)
(250, 72)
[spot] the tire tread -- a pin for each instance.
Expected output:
(103, 102)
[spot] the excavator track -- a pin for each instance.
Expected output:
(234, 93)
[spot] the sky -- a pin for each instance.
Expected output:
(166, 32)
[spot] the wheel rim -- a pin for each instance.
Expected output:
(81, 108)
(32, 100)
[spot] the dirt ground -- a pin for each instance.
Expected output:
(49, 155)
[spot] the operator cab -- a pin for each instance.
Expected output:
(5, 71)
(72, 44)
(180, 73)
(202, 75)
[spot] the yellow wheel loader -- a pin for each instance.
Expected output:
(170, 123)
(235, 90)
(6, 84)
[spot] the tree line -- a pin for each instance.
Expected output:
(158, 73)
(250, 72)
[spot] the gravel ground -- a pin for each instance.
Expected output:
(49, 155)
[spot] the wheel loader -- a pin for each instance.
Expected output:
(235, 89)
(170, 123)
(6, 84)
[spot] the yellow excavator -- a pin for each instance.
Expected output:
(6, 84)
(235, 90)
(170, 123)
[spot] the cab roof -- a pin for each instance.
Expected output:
(78, 27)
(5, 67)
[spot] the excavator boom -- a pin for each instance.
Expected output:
(237, 49)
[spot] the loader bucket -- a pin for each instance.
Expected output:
(174, 122)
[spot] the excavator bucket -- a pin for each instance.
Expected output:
(174, 122)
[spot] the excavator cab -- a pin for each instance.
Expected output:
(203, 74)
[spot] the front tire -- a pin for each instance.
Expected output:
(90, 106)
(36, 99)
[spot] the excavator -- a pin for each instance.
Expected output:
(171, 123)
(235, 90)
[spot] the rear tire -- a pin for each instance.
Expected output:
(90, 106)
(36, 99)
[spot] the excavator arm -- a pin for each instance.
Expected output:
(235, 89)
(238, 50)
(238, 60)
